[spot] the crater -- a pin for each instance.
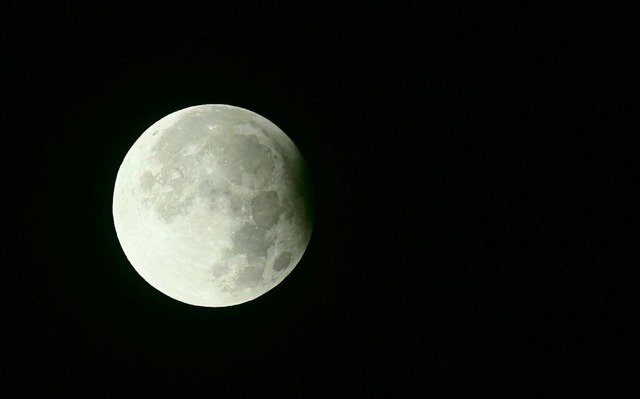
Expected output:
(147, 180)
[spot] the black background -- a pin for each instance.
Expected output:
(470, 177)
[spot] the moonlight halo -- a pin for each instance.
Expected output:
(212, 205)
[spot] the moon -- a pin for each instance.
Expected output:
(212, 205)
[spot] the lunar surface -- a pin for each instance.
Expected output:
(212, 205)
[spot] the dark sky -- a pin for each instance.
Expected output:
(470, 218)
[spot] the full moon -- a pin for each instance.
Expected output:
(212, 205)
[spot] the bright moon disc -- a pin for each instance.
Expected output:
(212, 205)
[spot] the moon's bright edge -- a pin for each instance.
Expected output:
(212, 205)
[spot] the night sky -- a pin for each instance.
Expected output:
(470, 199)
